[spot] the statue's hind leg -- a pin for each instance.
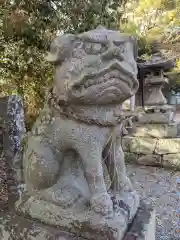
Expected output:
(64, 193)
(41, 167)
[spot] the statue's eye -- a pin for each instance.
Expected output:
(94, 48)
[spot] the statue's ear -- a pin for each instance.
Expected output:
(60, 48)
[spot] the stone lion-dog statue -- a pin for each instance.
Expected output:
(78, 132)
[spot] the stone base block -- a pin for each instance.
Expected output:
(147, 160)
(162, 108)
(14, 227)
(82, 221)
(162, 152)
(156, 130)
(168, 146)
(145, 145)
(139, 145)
(157, 117)
(171, 161)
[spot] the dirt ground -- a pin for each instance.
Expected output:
(161, 188)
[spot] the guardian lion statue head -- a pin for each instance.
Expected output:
(97, 67)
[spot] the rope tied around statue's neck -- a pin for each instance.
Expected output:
(66, 110)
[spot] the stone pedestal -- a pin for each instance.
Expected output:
(13, 226)
(83, 221)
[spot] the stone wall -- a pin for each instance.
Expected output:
(154, 145)
(11, 131)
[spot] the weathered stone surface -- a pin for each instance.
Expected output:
(156, 130)
(130, 157)
(151, 145)
(157, 117)
(139, 144)
(157, 61)
(3, 165)
(144, 224)
(167, 146)
(152, 152)
(78, 135)
(147, 160)
(150, 159)
(14, 227)
(83, 221)
(3, 183)
(154, 79)
(171, 161)
(156, 96)
(11, 131)
(160, 108)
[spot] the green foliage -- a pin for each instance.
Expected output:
(152, 21)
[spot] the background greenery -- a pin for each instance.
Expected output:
(27, 28)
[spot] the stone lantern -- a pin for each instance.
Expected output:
(156, 109)
(155, 137)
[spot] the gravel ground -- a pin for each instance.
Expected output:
(160, 187)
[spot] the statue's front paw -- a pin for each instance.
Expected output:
(67, 196)
(102, 203)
